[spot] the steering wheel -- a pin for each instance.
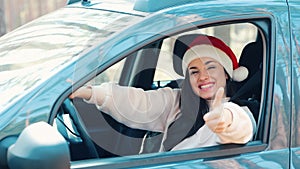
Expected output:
(69, 107)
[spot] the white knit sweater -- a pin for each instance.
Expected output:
(155, 110)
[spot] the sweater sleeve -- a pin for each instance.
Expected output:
(242, 128)
(134, 107)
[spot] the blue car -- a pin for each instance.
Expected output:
(137, 43)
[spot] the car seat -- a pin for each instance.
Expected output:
(180, 46)
(251, 58)
(248, 92)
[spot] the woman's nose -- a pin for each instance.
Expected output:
(203, 75)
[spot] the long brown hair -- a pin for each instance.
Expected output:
(192, 108)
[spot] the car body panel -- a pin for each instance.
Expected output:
(295, 52)
(40, 102)
(206, 16)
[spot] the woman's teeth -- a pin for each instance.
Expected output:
(206, 86)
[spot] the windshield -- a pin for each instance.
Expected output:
(36, 51)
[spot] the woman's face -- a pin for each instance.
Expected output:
(207, 75)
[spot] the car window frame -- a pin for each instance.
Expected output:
(215, 152)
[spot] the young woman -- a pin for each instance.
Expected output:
(197, 115)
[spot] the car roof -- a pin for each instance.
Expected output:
(130, 5)
(144, 6)
(125, 6)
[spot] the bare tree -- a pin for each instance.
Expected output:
(14, 13)
(2, 18)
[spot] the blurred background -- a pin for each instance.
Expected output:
(14, 13)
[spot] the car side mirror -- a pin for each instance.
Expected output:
(39, 146)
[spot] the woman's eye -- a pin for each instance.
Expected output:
(211, 67)
(194, 72)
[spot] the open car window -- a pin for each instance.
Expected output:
(149, 68)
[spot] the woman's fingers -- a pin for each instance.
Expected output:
(214, 118)
(216, 108)
(218, 98)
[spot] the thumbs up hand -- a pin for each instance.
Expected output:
(218, 119)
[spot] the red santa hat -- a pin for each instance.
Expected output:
(209, 46)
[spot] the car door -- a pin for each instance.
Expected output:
(134, 47)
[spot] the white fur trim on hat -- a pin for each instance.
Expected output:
(207, 51)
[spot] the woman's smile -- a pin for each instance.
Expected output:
(206, 86)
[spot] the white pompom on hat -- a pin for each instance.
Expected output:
(209, 46)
